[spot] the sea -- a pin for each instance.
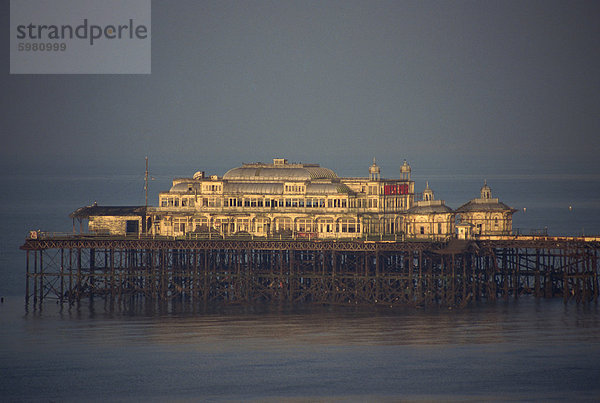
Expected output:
(523, 349)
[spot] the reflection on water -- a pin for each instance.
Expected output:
(549, 321)
(529, 348)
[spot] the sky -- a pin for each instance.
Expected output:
(450, 86)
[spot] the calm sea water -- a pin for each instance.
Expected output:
(508, 350)
(525, 350)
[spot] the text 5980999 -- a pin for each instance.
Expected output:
(41, 47)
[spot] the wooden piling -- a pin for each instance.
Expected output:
(383, 273)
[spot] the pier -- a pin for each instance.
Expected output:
(341, 272)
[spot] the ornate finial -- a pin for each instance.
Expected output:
(486, 192)
(373, 160)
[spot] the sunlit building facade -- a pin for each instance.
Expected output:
(484, 215)
(283, 198)
(429, 218)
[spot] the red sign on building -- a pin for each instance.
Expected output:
(395, 189)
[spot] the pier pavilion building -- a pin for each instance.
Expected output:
(302, 200)
(264, 199)
(485, 215)
(429, 218)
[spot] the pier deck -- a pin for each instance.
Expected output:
(347, 272)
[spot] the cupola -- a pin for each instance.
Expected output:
(374, 171)
(405, 171)
(427, 193)
(486, 192)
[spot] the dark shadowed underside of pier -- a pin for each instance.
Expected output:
(452, 273)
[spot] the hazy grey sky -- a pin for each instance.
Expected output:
(480, 85)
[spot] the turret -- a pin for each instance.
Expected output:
(427, 193)
(486, 192)
(374, 171)
(405, 171)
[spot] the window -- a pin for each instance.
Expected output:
(243, 224)
(179, 225)
(201, 224)
(224, 225)
(439, 228)
(348, 225)
(261, 225)
(325, 225)
(343, 203)
(422, 230)
(131, 226)
(284, 223)
(304, 225)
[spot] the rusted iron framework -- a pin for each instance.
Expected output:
(325, 272)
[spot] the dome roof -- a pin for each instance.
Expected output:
(326, 188)
(253, 188)
(430, 209)
(292, 172)
(484, 205)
